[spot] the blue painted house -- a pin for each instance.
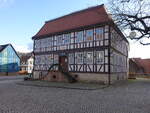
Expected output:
(9, 59)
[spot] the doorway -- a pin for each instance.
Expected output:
(63, 62)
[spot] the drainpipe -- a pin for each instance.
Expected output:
(109, 55)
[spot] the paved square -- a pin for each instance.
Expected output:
(128, 97)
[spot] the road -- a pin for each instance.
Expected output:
(124, 97)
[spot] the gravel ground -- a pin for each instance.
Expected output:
(124, 97)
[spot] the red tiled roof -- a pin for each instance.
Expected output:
(144, 63)
(90, 16)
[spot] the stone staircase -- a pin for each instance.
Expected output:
(57, 75)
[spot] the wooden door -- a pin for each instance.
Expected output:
(63, 62)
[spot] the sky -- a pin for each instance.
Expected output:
(22, 19)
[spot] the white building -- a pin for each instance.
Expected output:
(27, 63)
(30, 64)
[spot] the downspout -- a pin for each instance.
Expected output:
(33, 58)
(109, 55)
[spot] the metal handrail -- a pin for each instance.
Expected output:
(41, 76)
(66, 74)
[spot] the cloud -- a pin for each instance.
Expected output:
(138, 50)
(30, 46)
(22, 48)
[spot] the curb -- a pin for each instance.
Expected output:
(62, 87)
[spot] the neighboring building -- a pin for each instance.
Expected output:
(138, 66)
(134, 67)
(30, 64)
(24, 63)
(86, 44)
(9, 60)
(27, 62)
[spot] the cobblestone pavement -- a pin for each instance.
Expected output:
(12, 77)
(8, 79)
(127, 97)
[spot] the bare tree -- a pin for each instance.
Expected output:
(133, 17)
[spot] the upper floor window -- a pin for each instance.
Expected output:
(37, 44)
(67, 38)
(99, 33)
(43, 43)
(79, 36)
(89, 35)
(50, 42)
(55, 40)
(60, 40)
(5, 53)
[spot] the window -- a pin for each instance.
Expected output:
(46, 41)
(71, 58)
(60, 40)
(37, 44)
(67, 38)
(89, 35)
(50, 59)
(99, 57)
(99, 34)
(50, 42)
(5, 53)
(56, 57)
(79, 36)
(43, 43)
(37, 59)
(89, 57)
(79, 58)
(55, 41)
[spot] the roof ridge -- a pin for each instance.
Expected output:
(2, 47)
(5, 44)
(75, 12)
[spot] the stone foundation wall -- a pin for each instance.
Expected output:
(92, 77)
(118, 76)
(82, 77)
(56, 77)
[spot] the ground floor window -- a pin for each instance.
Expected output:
(99, 57)
(79, 57)
(89, 57)
(71, 58)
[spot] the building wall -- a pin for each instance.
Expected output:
(81, 77)
(9, 61)
(87, 51)
(118, 56)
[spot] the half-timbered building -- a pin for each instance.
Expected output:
(86, 44)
